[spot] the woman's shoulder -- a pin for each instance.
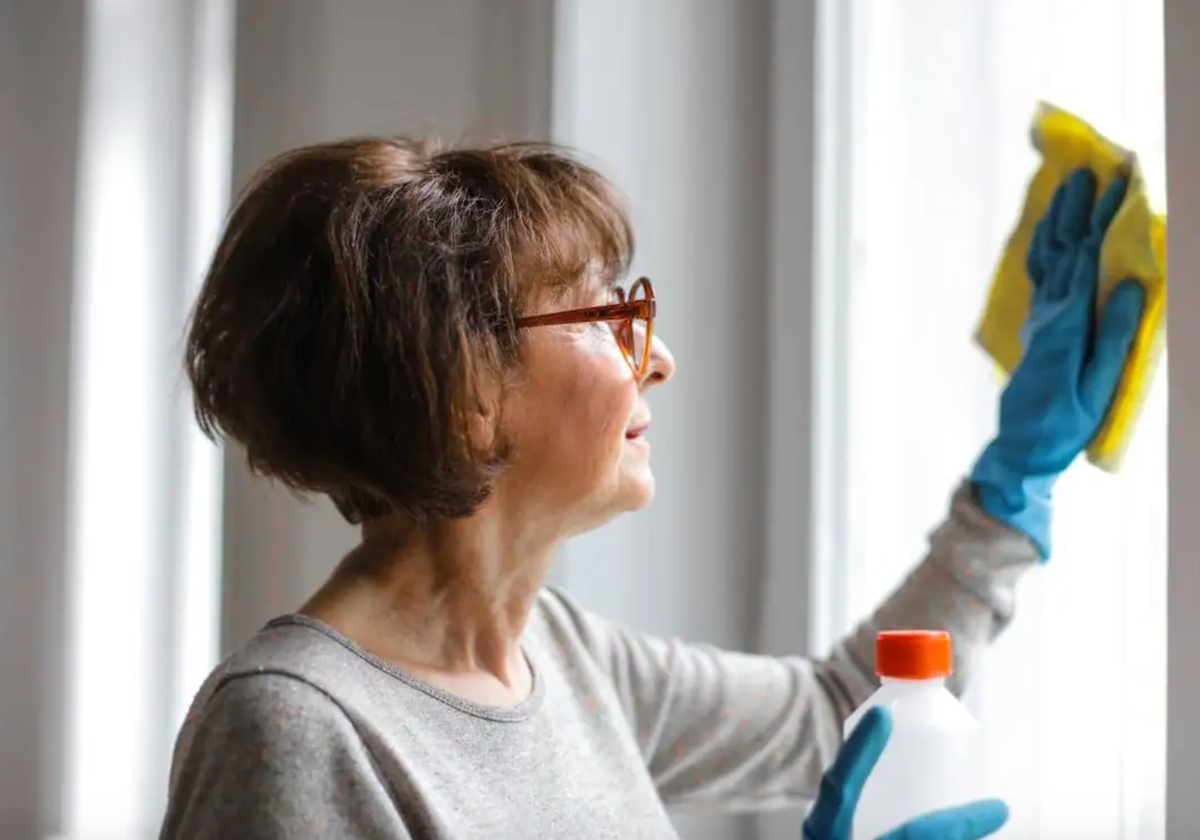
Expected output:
(270, 692)
(560, 617)
(284, 664)
(291, 646)
(572, 630)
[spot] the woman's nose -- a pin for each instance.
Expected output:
(662, 364)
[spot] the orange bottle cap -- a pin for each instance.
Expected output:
(914, 654)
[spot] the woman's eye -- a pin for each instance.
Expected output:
(585, 328)
(595, 331)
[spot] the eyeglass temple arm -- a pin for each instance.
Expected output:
(617, 312)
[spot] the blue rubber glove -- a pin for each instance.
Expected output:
(1058, 395)
(833, 813)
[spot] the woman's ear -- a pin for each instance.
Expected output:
(481, 430)
(483, 417)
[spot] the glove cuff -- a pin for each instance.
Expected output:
(1023, 502)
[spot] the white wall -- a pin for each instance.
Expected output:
(41, 58)
(1182, 20)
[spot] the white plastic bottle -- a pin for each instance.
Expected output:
(934, 758)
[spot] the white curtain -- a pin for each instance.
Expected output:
(935, 106)
(144, 489)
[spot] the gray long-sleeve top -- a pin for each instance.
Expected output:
(302, 734)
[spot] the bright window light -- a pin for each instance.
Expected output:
(940, 98)
(145, 492)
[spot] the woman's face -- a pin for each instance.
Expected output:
(577, 425)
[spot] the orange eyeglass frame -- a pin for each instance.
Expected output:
(629, 309)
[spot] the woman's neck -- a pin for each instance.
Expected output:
(448, 602)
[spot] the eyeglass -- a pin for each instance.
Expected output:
(631, 318)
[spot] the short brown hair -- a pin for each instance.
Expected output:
(362, 293)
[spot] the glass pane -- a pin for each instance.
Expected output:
(922, 399)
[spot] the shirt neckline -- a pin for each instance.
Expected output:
(503, 714)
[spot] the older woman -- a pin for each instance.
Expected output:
(438, 342)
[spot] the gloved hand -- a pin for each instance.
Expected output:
(1059, 393)
(833, 813)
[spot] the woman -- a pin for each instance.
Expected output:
(437, 340)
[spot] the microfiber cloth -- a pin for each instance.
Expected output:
(1134, 248)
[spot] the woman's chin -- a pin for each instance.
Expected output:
(634, 493)
(639, 488)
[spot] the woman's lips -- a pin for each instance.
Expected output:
(637, 431)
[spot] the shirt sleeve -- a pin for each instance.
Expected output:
(273, 758)
(725, 731)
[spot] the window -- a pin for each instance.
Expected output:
(938, 98)
(145, 486)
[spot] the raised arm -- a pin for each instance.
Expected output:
(731, 731)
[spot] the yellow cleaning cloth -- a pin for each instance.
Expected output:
(1134, 248)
